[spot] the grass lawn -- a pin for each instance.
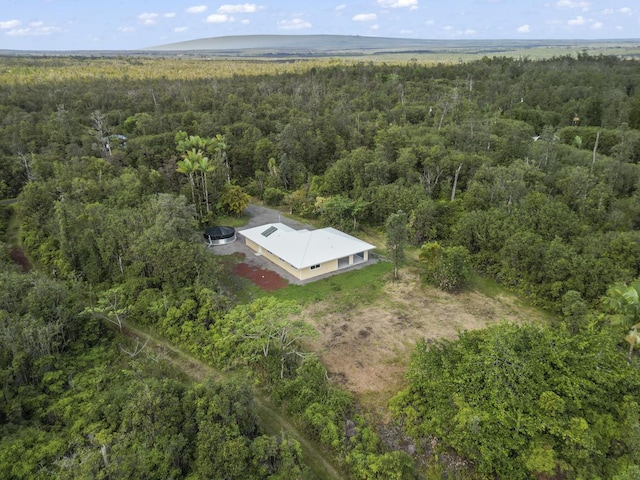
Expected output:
(234, 221)
(362, 286)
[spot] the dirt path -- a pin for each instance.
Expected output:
(271, 418)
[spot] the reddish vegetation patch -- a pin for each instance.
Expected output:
(265, 279)
(18, 256)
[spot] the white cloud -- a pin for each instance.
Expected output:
(524, 28)
(197, 9)
(413, 4)
(596, 26)
(430, 22)
(626, 11)
(10, 24)
(238, 8)
(469, 31)
(38, 30)
(448, 28)
(47, 30)
(295, 24)
(364, 17)
(148, 18)
(608, 11)
(375, 26)
(18, 32)
(579, 20)
(245, 21)
(169, 15)
(126, 29)
(341, 7)
(217, 18)
(584, 6)
(180, 29)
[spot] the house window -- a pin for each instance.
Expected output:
(313, 267)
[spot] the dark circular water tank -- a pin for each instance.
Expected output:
(219, 235)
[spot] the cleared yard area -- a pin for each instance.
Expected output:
(367, 347)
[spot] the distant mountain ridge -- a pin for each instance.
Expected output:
(326, 45)
(341, 43)
(312, 43)
(338, 45)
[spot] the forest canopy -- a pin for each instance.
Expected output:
(524, 172)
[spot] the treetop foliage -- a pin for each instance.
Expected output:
(525, 401)
(526, 171)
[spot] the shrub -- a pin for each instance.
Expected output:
(447, 267)
(273, 196)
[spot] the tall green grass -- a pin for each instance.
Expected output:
(231, 220)
(349, 288)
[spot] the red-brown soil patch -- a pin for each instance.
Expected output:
(265, 279)
(18, 256)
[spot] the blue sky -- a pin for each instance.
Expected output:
(134, 24)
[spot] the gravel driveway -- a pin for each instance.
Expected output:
(259, 215)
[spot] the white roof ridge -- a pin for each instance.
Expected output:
(318, 246)
(306, 247)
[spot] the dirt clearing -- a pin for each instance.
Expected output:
(367, 349)
(265, 279)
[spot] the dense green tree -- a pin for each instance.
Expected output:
(256, 333)
(522, 401)
(447, 267)
(340, 212)
(233, 199)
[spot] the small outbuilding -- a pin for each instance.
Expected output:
(307, 253)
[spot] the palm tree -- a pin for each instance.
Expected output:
(185, 143)
(205, 166)
(220, 149)
(193, 149)
(623, 301)
(189, 165)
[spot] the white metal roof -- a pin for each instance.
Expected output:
(304, 248)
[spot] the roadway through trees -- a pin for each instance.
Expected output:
(271, 418)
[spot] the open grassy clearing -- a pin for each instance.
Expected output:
(368, 323)
(367, 348)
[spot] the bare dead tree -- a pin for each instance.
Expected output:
(101, 132)
(429, 178)
(26, 162)
(455, 182)
(595, 147)
(137, 349)
(103, 452)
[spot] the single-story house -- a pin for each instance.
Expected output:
(306, 253)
